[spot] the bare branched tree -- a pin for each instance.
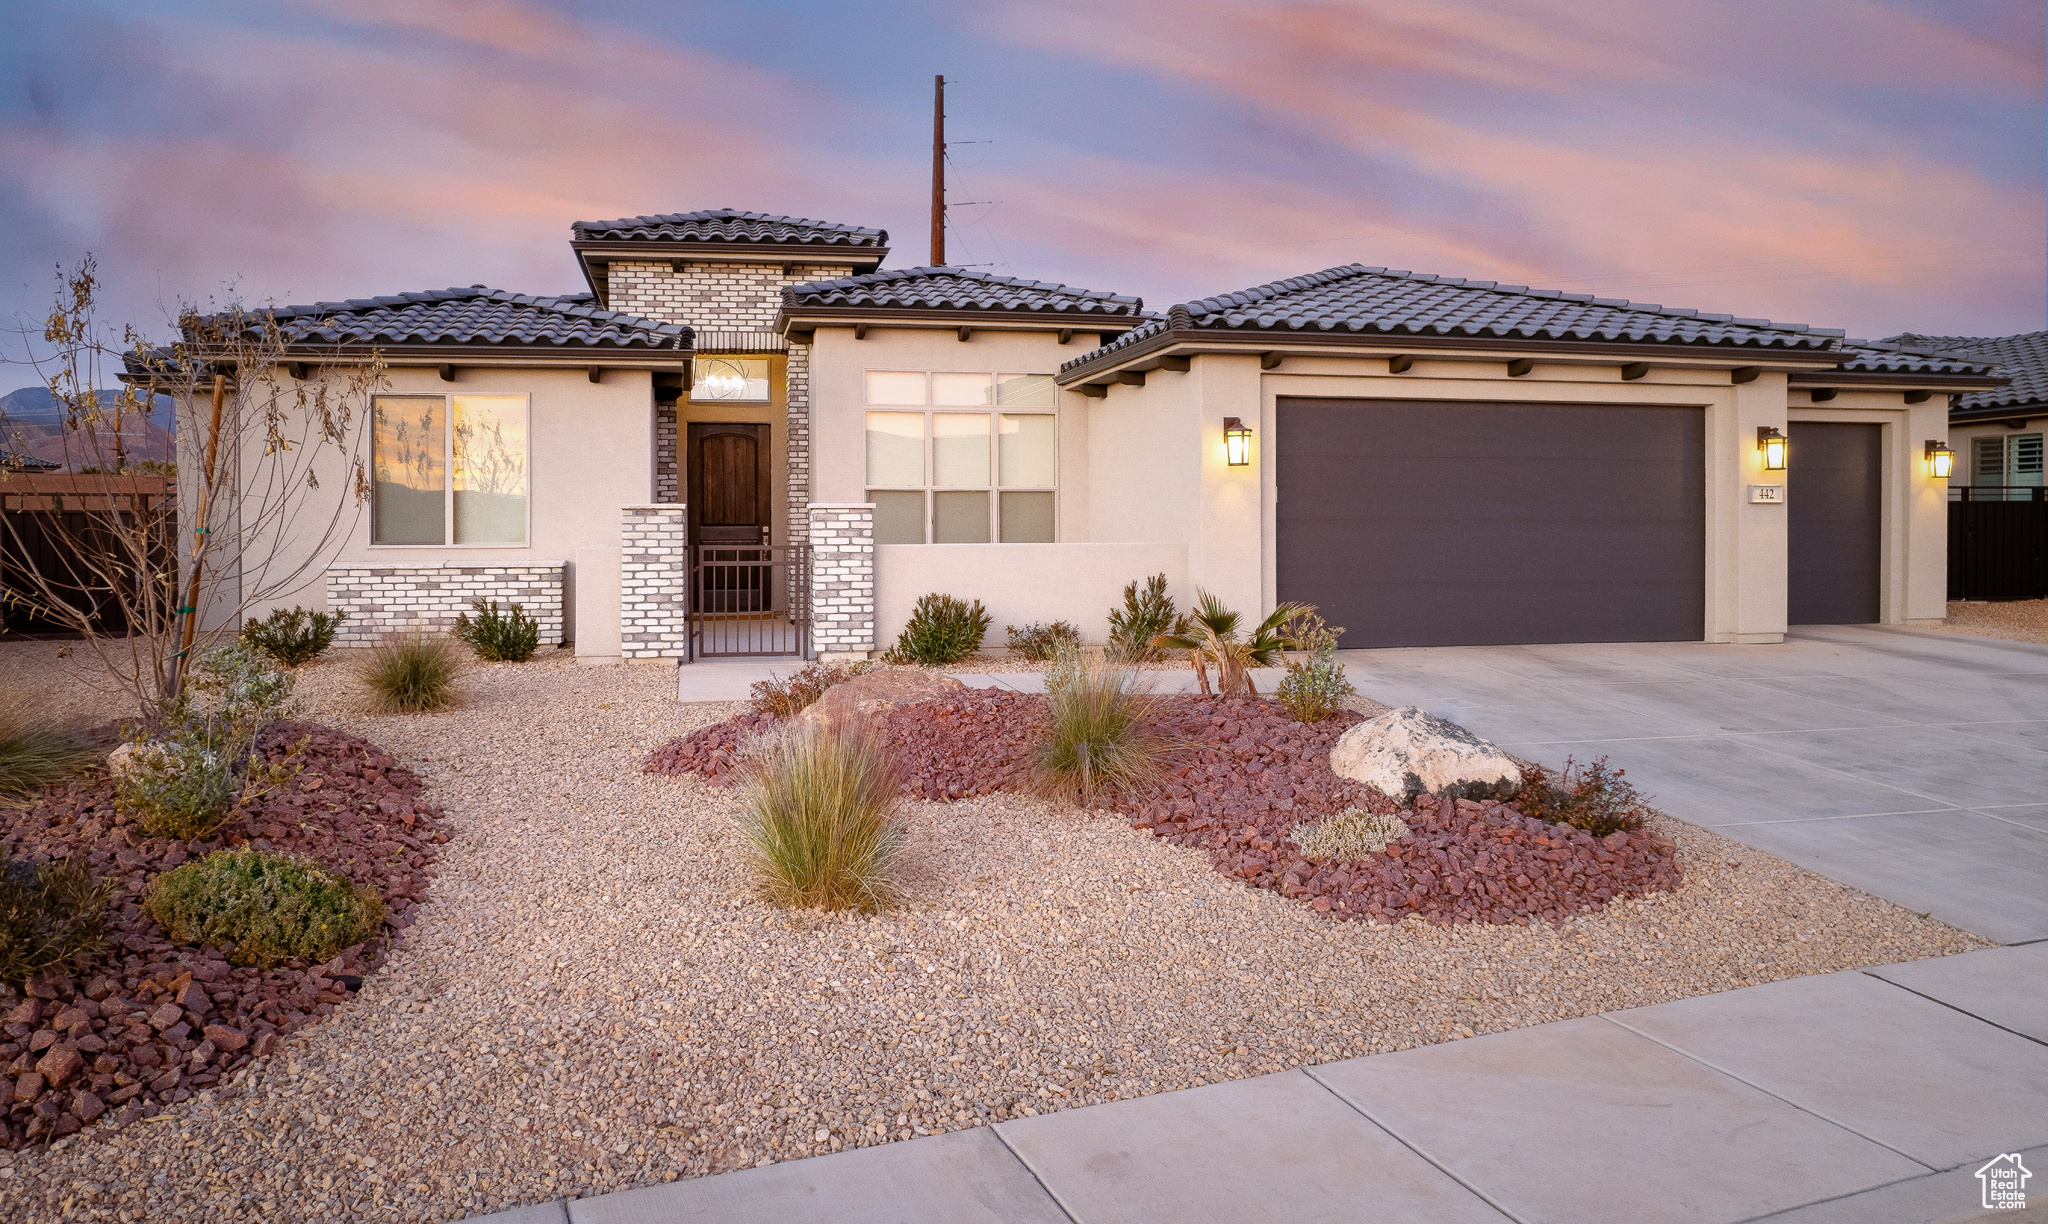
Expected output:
(261, 408)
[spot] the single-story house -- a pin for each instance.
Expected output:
(1997, 433)
(1431, 461)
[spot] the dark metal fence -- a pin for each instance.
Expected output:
(750, 600)
(72, 538)
(1997, 542)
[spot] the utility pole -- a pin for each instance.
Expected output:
(938, 170)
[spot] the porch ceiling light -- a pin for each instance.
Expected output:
(1237, 442)
(1771, 441)
(1940, 459)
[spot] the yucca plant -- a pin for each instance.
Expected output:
(34, 751)
(1096, 742)
(499, 635)
(1210, 635)
(819, 812)
(293, 635)
(1145, 615)
(411, 673)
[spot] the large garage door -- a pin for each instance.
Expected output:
(1461, 524)
(1834, 504)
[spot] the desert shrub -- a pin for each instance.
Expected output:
(497, 635)
(34, 751)
(787, 696)
(410, 673)
(1594, 797)
(1095, 740)
(1039, 642)
(263, 908)
(1146, 614)
(818, 810)
(941, 630)
(50, 916)
(1351, 836)
(1315, 685)
(292, 635)
(1210, 635)
(182, 779)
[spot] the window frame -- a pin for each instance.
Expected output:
(991, 412)
(767, 378)
(448, 399)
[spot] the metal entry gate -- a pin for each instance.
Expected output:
(749, 600)
(1997, 542)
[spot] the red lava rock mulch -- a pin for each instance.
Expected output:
(1252, 775)
(149, 1022)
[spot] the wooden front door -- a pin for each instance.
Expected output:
(728, 489)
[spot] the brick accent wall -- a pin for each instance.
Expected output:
(726, 297)
(653, 582)
(842, 581)
(381, 599)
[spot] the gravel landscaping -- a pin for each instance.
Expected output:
(2020, 620)
(592, 998)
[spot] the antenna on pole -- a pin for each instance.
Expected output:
(938, 170)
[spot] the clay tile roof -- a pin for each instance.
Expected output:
(729, 225)
(1357, 299)
(2022, 358)
(951, 289)
(478, 316)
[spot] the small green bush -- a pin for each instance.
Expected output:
(1315, 686)
(293, 636)
(183, 782)
(786, 696)
(941, 630)
(410, 673)
(1039, 642)
(1593, 797)
(507, 636)
(1095, 741)
(819, 813)
(1145, 615)
(263, 908)
(183, 787)
(33, 750)
(50, 916)
(1351, 836)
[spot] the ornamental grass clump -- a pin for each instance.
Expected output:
(263, 908)
(1095, 742)
(1145, 615)
(1594, 797)
(506, 635)
(410, 673)
(941, 630)
(1351, 836)
(1039, 642)
(819, 811)
(34, 751)
(293, 636)
(788, 696)
(52, 916)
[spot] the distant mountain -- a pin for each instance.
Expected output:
(32, 423)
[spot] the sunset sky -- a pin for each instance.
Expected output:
(1870, 164)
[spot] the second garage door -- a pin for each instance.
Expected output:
(1469, 524)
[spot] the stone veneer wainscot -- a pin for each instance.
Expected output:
(842, 580)
(653, 581)
(382, 599)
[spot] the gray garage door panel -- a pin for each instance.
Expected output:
(1455, 524)
(1834, 537)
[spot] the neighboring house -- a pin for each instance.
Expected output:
(1431, 461)
(11, 462)
(1997, 433)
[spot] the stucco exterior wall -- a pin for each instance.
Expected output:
(1023, 583)
(590, 451)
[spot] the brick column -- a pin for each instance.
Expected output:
(842, 581)
(653, 582)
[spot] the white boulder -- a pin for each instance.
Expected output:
(1404, 753)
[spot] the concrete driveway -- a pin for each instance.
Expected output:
(1910, 764)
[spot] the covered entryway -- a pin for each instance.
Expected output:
(1835, 501)
(747, 594)
(1466, 524)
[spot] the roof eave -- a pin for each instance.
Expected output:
(1998, 414)
(860, 258)
(1885, 380)
(1221, 340)
(811, 318)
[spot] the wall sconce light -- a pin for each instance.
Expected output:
(1940, 460)
(1237, 442)
(1771, 441)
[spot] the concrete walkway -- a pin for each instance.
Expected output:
(1910, 764)
(733, 679)
(1852, 1098)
